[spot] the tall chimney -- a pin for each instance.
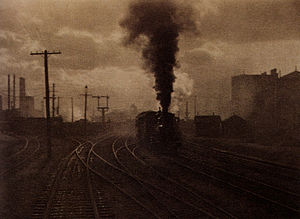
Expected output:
(8, 93)
(274, 72)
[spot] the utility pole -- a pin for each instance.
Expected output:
(8, 92)
(98, 98)
(46, 54)
(72, 109)
(187, 110)
(14, 92)
(85, 106)
(104, 109)
(53, 100)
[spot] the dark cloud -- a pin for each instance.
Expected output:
(249, 21)
(9, 40)
(83, 52)
(197, 57)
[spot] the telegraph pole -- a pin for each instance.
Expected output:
(46, 54)
(53, 100)
(8, 92)
(85, 106)
(72, 109)
(98, 98)
(104, 109)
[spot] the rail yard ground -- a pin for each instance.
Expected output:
(112, 175)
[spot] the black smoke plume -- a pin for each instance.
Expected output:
(155, 26)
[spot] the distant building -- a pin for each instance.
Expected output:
(289, 100)
(28, 110)
(208, 125)
(235, 127)
(26, 102)
(267, 100)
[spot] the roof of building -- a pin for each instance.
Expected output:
(234, 119)
(255, 76)
(292, 75)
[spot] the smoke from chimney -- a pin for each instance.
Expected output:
(155, 26)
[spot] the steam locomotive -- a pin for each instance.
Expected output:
(158, 130)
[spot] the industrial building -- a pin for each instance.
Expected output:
(26, 102)
(289, 100)
(267, 100)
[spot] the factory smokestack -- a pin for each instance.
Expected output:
(155, 27)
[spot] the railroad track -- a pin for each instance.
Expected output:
(266, 163)
(167, 189)
(70, 194)
(280, 199)
(137, 200)
(274, 174)
(18, 160)
(23, 148)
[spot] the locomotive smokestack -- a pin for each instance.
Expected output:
(155, 27)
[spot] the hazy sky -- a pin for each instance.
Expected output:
(232, 37)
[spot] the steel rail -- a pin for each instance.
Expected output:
(181, 186)
(18, 164)
(90, 188)
(113, 183)
(245, 158)
(54, 186)
(62, 167)
(22, 149)
(163, 191)
(115, 151)
(249, 158)
(237, 187)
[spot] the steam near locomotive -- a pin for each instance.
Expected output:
(158, 130)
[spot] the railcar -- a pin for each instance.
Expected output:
(158, 130)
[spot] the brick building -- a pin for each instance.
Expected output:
(267, 100)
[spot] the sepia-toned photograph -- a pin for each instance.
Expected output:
(149, 109)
